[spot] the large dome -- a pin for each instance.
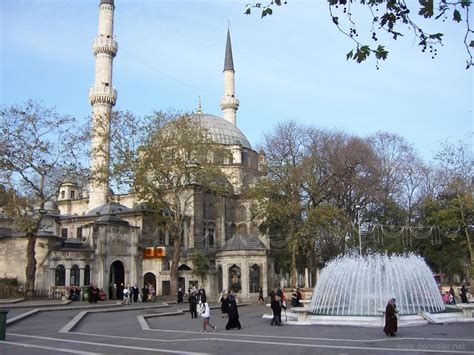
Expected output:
(222, 131)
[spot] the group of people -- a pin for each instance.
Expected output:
(198, 305)
(148, 293)
(130, 294)
(74, 294)
(391, 313)
(449, 296)
(93, 294)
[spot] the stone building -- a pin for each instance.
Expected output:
(91, 235)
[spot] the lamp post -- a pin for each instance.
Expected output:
(358, 228)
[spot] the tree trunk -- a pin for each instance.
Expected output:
(293, 265)
(470, 269)
(30, 265)
(175, 264)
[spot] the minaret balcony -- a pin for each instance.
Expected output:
(105, 45)
(229, 102)
(102, 94)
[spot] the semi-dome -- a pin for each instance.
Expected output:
(244, 242)
(109, 208)
(222, 131)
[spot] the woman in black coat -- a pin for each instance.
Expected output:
(224, 305)
(233, 312)
(464, 294)
(391, 321)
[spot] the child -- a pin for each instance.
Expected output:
(206, 316)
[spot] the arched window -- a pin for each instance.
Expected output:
(75, 273)
(254, 278)
(60, 276)
(87, 275)
(234, 278)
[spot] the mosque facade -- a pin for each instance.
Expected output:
(91, 235)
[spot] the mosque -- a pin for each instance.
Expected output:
(91, 235)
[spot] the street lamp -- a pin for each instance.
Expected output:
(358, 225)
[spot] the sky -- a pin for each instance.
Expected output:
(289, 66)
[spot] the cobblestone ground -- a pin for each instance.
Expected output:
(161, 328)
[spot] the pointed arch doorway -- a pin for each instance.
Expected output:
(117, 278)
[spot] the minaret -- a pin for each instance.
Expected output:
(229, 103)
(102, 96)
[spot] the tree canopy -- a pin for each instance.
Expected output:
(389, 19)
(326, 189)
(40, 149)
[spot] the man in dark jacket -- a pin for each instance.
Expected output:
(276, 308)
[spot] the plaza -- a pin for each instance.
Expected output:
(55, 327)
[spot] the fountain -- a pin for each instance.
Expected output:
(352, 285)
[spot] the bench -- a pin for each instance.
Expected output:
(302, 313)
(466, 308)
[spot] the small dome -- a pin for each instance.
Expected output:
(247, 242)
(109, 208)
(222, 131)
(51, 206)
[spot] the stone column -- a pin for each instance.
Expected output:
(225, 276)
(244, 279)
(265, 278)
(68, 277)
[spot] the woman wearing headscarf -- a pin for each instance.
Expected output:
(224, 304)
(233, 312)
(391, 320)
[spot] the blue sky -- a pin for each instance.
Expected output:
(289, 66)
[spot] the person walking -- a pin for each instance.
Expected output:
(126, 299)
(261, 300)
(145, 293)
(224, 304)
(233, 322)
(391, 320)
(276, 308)
(206, 316)
(180, 295)
(90, 291)
(193, 302)
(451, 292)
(464, 294)
(135, 291)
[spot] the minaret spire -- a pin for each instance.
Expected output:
(102, 96)
(229, 103)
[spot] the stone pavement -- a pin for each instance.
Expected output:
(81, 328)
